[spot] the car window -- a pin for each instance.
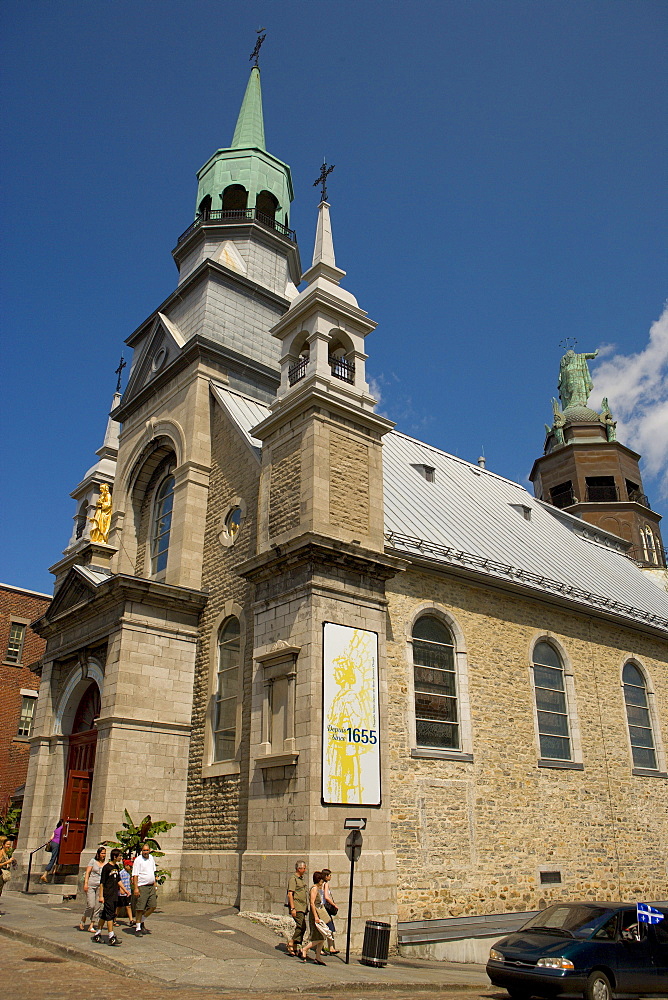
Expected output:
(608, 932)
(661, 930)
(580, 921)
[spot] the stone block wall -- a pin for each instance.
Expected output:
(472, 836)
(215, 814)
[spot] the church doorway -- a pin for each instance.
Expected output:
(79, 777)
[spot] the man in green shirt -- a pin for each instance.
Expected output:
(298, 905)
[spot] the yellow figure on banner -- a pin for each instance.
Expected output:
(352, 711)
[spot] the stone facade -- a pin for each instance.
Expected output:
(472, 835)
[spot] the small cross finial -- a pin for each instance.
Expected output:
(119, 371)
(568, 343)
(322, 179)
(255, 54)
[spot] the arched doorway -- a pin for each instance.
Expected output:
(79, 776)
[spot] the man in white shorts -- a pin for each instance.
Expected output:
(143, 887)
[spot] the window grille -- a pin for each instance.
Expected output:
(551, 705)
(17, 633)
(27, 716)
(638, 718)
(435, 683)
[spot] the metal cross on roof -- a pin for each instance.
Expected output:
(119, 371)
(322, 179)
(255, 54)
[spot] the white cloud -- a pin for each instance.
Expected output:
(637, 389)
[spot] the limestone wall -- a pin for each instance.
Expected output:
(471, 836)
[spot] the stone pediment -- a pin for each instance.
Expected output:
(162, 346)
(74, 592)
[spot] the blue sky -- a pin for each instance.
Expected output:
(499, 186)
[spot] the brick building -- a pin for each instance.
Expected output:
(299, 614)
(20, 648)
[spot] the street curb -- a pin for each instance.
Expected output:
(109, 965)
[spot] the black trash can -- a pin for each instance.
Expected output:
(376, 943)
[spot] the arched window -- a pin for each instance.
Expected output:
(435, 684)
(638, 717)
(266, 205)
(82, 519)
(205, 206)
(235, 198)
(551, 703)
(162, 524)
(649, 545)
(227, 687)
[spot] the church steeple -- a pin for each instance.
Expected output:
(586, 471)
(245, 178)
(249, 132)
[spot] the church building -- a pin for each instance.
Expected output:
(277, 612)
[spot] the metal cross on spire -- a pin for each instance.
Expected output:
(255, 54)
(119, 371)
(322, 179)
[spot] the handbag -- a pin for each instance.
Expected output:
(331, 908)
(6, 874)
(324, 929)
(49, 847)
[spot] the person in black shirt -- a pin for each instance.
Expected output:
(110, 886)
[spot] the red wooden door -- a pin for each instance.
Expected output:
(75, 817)
(80, 763)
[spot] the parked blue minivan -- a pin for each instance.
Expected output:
(595, 950)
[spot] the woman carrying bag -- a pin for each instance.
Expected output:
(318, 917)
(332, 910)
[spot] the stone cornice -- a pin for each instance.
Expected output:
(319, 549)
(315, 396)
(116, 592)
(196, 349)
(479, 577)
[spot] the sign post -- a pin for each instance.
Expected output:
(354, 842)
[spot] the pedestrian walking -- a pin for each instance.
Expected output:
(6, 863)
(297, 905)
(126, 902)
(143, 887)
(318, 930)
(91, 887)
(332, 910)
(110, 887)
(54, 845)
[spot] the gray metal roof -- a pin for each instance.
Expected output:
(470, 517)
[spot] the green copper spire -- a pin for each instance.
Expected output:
(249, 133)
(245, 177)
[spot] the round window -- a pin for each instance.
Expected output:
(233, 522)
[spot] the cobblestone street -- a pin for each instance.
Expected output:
(33, 974)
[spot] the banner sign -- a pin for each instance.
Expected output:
(350, 717)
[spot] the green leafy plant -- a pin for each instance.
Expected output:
(132, 836)
(9, 824)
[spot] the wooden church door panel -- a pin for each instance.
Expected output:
(75, 817)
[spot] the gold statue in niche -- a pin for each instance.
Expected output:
(101, 519)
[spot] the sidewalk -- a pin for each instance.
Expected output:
(201, 944)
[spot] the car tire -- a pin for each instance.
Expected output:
(598, 987)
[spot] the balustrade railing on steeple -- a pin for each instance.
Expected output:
(227, 215)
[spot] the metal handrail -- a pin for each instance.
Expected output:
(297, 371)
(27, 889)
(234, 214)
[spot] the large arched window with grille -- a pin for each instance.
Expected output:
(162, 525)
(435, 685)
(638, 717)
(551, 703)
(227, 688)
